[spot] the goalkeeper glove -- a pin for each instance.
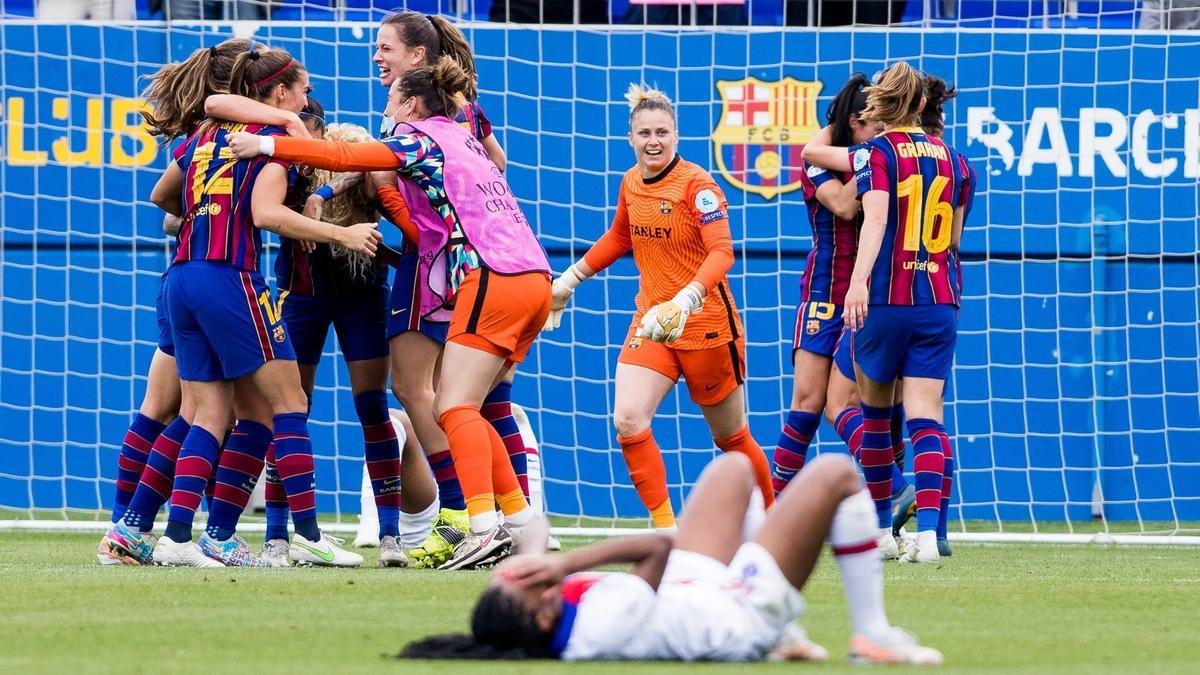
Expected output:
(560, 293)
(665, 321)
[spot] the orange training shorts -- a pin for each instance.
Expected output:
(500, 314)
(711, 374)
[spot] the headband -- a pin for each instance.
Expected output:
(287, 66)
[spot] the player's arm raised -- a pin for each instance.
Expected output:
(818, 151)
(840, 198)
(331, 155)
(248, 111)
(266, 203)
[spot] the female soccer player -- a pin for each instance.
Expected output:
(903, 503)
(673, 216)
(833, 211)
(323, 285)
(478, 255)
(937, 93)
(405, 41)
(146, 465)
(223, 318)
(726, 588)
(911, 186)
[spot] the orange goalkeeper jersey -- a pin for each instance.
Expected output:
(677, 224)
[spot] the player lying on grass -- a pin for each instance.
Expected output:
(725, 588)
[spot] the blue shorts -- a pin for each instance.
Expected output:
(359, 319)
(166, 343)
(224, 322)
(405, 314)
(907, 341)
(818, 326)
(843, 358)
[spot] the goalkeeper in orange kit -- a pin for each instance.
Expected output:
(673, 216)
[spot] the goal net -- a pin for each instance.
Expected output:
(1074, 405)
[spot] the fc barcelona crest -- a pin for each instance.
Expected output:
(762, 129)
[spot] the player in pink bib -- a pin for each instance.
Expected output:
(479, 261)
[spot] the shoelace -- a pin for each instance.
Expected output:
(337, 540)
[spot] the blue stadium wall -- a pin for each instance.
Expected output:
(1078, 353)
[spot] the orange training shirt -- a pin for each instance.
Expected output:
(677, 224)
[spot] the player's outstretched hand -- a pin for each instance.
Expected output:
(560, 294)
(244, 144)
(363, 237)
(855, 311)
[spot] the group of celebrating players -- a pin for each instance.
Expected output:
(230, 385)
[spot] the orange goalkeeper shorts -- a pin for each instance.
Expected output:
(500, 314)
(711, 374)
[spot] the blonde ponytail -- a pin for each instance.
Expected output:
(895, 100)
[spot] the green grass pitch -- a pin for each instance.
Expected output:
(1003, 609)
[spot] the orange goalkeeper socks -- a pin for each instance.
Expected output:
(649, 475)
(742, 442)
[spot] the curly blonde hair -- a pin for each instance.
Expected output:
(350, 207)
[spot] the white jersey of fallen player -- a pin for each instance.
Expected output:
(703, 610)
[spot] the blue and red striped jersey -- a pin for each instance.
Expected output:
(966, 200)
(217, 221)
(924, 183)
(318, 273)
(970, 178)
(835, 242)
(473, 119)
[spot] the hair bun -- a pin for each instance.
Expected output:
(637, 94)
